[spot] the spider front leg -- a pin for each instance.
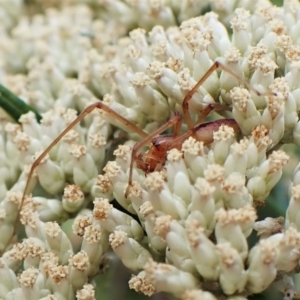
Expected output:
(87, 110)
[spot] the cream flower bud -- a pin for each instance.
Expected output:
(288, 246)
(241, 37)
(273, 117)
(173, 233)
(150, 101)
(167, 278)
(86, 293)
(166, 79)
(262, 266)
(177, 175)
(202, 202)
(50, 176)
(84, 170)
(72, 198)
(223, 138)
(234, 192)
(237, 159)
(202, 251)
(102, 187)
(58, 241)
(228, 230)
(132, 254)
(33, 249)
(79, 266)
(95, 244)
(244, 110)
(119, 182)
(233, 277)
(140, 284)
(162, 198)
(112, 219)
(8, 279)
(156, 242)
(32, 283)
(194, 157)
(49, 209)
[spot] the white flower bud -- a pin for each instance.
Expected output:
(58, 241)
(202, 251)
(262, 266)
(233, 277)
(132, 254)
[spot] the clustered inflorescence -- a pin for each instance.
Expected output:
(189, 236)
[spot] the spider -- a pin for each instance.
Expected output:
(160, 143)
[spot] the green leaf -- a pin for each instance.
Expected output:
(14, 106)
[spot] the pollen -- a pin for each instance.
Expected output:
(174, 155)
(80, 261)
(204, 187)
(284, 42)
(193, 147)
(14, 197)
(214, 173)
(155, 182)
(101, 208)
(80, 224)
(185, 81)
(135, 190)
(146, 209)
(280, 85)
(93, 234)
(87, 292)
(232, 55)
(291, 237)
(174, 64)
(72, 193)
(117, 239)
(240, 97)
(71, 137)
(122, 152)
(97, 140)
(162, 225)
(226, 217)
(27, 118)
(140, 284)
(247, 214)
(140, 79)
(58, 273)
(256, 53)
(224, 133)
(103, 182)
(234, 184)
(77, 150)
(155, 69)
(52, 229)
(28, 277)
(12, 129)
(112, 169)
(22, 141)
(278, 159)
(266, 65)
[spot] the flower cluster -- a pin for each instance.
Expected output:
(186, 225)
